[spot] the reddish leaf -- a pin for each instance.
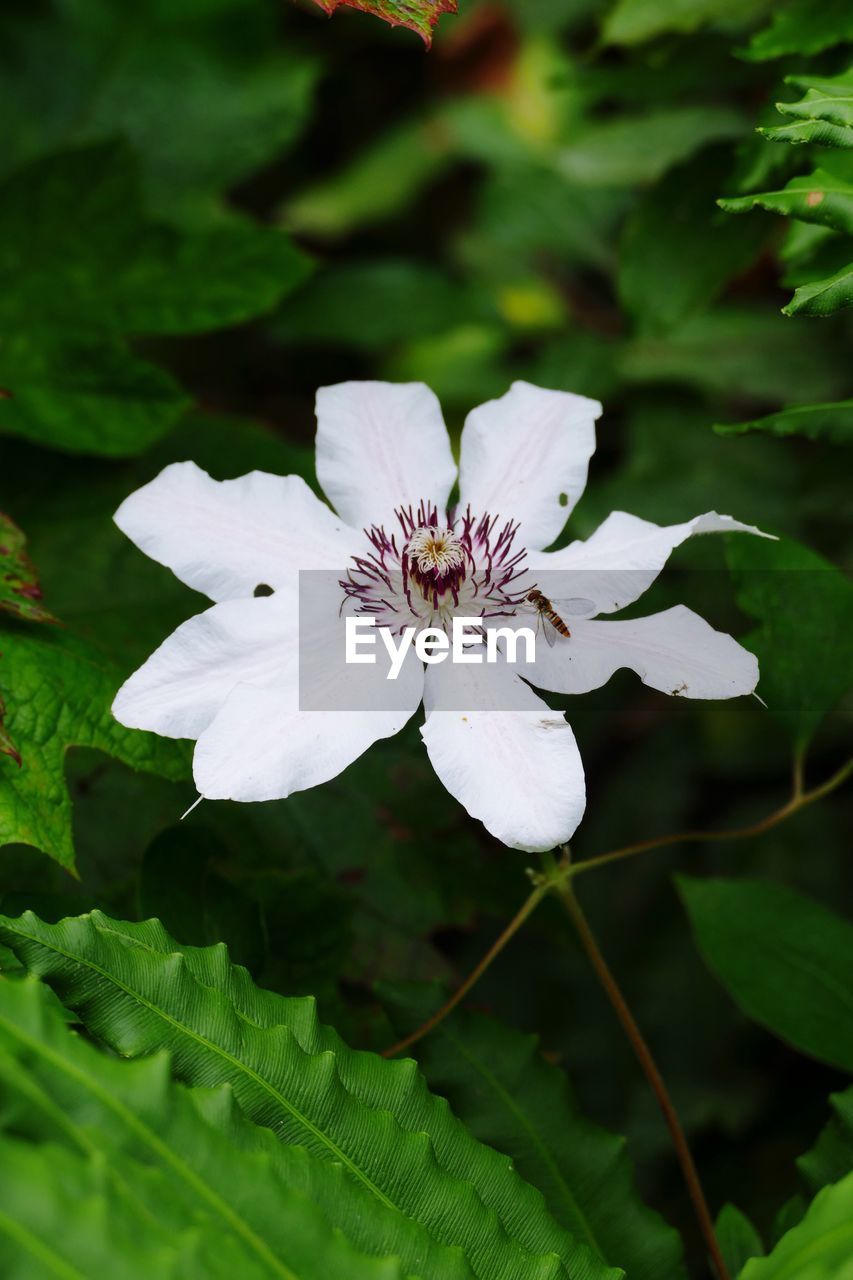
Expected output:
(20, 592)
(7, 746)
(417, 15)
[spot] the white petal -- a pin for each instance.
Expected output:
(261, 746)
(675, 651)
(621, 559)
(517, 768)
(185, 682)
(382, 445)
(525, 457)
(225, 537)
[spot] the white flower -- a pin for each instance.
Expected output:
(229, 677)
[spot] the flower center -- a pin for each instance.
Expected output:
(428, 572)
(435, 560)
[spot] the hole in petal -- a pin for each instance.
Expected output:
(564, 499)
(262, 590)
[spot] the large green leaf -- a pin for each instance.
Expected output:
(804, 606)
(374, 305)
(79, 253)
(818, 1248)
(632, 21)
(629, 149)
(58, 694)
(785, 959)
(85, 396)
(803, 27)
(204, 1165)
(202, 91)
(417, 15)
(80, 261)
(137, 991)
(59, 1221)
(832, 422)
(831, 1157)
(512, 1098)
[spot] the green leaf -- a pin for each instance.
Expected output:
(805, 609)
(632, 21)
(380, 181)
(737, 1238)
(58, 695)
(79, 253)
(785, 959)
(418, 15)
(831, 1158)
(58, 1221)
(205, 93)
(510, 1097)
(180, 1158)
(802, 27)
(831, 422)
(633, 149)
(823, 297)
(818, 1248)
(138, 992)
(816, 197)
(677, 252)
(20, 592)
(824, 115)
(739, 351)
(373, 305)
(83, 396)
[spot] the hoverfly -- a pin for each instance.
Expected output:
(552, 624)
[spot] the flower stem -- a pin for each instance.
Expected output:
(555, 874)
(651, 1071)
(799, 800)
(527, 908)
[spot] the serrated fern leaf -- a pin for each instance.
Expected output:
(163, 1160)
(512, 1098)
(138, 992)
(60, 1220)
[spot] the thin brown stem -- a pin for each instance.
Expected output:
(558, 874)
(797, 801)
(651, 1071)
(526, 910)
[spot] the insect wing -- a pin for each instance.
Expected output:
(576, 607)
(549, 630)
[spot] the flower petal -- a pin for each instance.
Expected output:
(182, 686)
(621, 560)
(261, 746)
(675, 651)
(381, 445)
(525, 457)
(517, 767)
(225, 537)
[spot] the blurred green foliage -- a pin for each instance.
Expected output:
(211, 207)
